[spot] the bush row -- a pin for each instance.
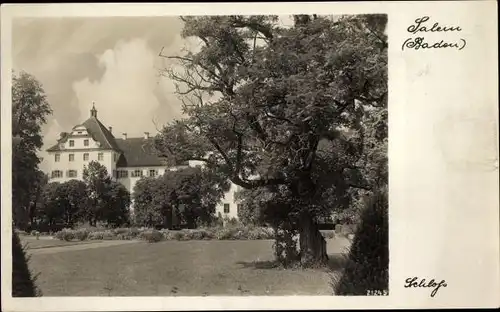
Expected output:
(215, 233)
(219, 233)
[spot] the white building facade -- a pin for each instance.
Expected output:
(127, 160)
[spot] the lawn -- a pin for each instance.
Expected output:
(182, 268)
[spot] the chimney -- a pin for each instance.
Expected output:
(146, 135)
(124, 135)
(110, 129)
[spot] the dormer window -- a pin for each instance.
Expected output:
(71, 143)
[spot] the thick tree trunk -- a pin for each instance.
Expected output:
(312, 243)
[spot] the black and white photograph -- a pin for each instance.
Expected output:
(200, 156)
(212, 158)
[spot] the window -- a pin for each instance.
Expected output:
(57, 157)
(86, 142)
(71, 143)
(79, 132)
(122, 173)
(153, 173)
(71, 157)
(100, 156)
(238, 208)
(137, 173)
(57, 174)
(86, 156)
(71, 173)
(226, 208)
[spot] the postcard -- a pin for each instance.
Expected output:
(247, 156)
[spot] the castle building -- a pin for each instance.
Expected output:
(126, 159)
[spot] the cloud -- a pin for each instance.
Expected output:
(126, 95)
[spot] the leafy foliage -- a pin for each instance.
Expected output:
(284, 117)
(63, 203)
(97, 179)
(30, 109)
(187, 194)
(117, 205)
(108, 201)
(145, 212)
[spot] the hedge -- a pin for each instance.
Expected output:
(23, 281)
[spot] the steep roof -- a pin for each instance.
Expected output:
(137, 152)
(100, 133)
(97, 131)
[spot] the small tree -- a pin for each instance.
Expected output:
(97, 180)
(146, 213)
(117, 208)
(52, 209)
(73, 196)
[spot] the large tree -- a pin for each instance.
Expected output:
(261, 99)
(29, 112)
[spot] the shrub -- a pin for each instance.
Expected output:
(134, 232)
(108, 235)
(152, 236)
(91, 228)
(231, 221)
(95, 236)
(121, 231)
(23, 281)
(65, 234)
(224, 233)
(368, 259)
(82, 234)
(176, 235)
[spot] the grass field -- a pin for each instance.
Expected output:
(182, 268)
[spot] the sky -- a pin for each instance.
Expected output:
(112, 61)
